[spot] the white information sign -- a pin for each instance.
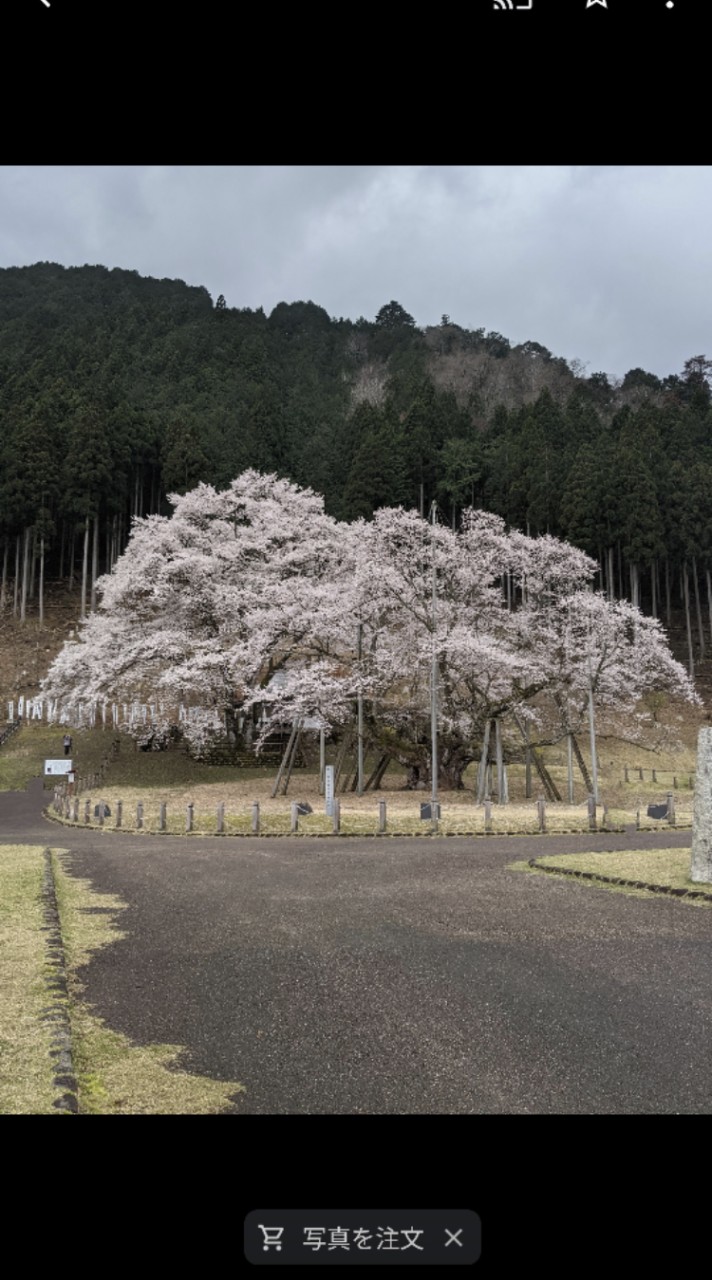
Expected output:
(329, 790)
(58, 766)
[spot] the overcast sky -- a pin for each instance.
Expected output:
(610, 265)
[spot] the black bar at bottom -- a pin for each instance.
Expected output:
(362, 1237)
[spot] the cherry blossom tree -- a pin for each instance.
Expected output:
(208, 604)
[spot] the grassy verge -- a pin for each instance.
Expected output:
(116, 1076)
(23, 755)
(669, 868)
(25, 1066)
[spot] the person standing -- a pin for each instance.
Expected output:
(67, 744)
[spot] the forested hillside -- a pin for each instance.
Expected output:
(116, 390)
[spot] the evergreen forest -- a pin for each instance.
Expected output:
(118, 390)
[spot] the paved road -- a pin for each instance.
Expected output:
(403, 976)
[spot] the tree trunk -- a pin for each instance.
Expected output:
(72, 541)
(611, 576)
(709, 598)
(698, 608)
(85, 564)
(41, 602)
(25, 568)
(667, 592)
(17, 576)
(634, 585)
(654, 587)
(3, 589)
(686, 592)
(33, 561)
(95, 562)
(61, 551)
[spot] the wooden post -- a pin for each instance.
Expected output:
(570, 768)
(75, 810)
(189, 817)
(499, 759)
(256, 818)
(482, 771)
(322, 759)
(337, 816)
(101, 813)
(655, 775)
(119, 812)
(488, 815)
(671, 808)
(381, 816)
(637, 819)
(87, 810)
(541, 813)
(162, 816)
(221, 820)
(139, 815)
(625, 772)
(527, 765)
(592, 813)
(294, 824)
(674, 782)
(640, 774)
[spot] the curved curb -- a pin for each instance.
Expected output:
(341, 835)
(619, 881)
(57, 1012)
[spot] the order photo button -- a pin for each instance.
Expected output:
(362, 1237)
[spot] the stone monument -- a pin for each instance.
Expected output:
(701, 870)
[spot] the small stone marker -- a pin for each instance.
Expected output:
(701, 868)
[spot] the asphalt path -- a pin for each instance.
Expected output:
(398, 975)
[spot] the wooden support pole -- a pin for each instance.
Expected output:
(221, 820)
(162, 816)
(256, 818)
(189, 817)
(381, 816)
(119, 812)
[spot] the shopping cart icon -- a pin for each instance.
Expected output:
(272, 1237)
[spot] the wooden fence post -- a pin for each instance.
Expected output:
(87, 810)
(139, 815)
(541, 811)
(75, 813)
(119, 812)
(488, 815)
(294, 822)
(337, 816)
(671, 808)
(256, 818)
(162, 816)
(591, 813)
(381, 816)
(220, 820)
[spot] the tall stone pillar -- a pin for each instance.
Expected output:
(701, 870)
